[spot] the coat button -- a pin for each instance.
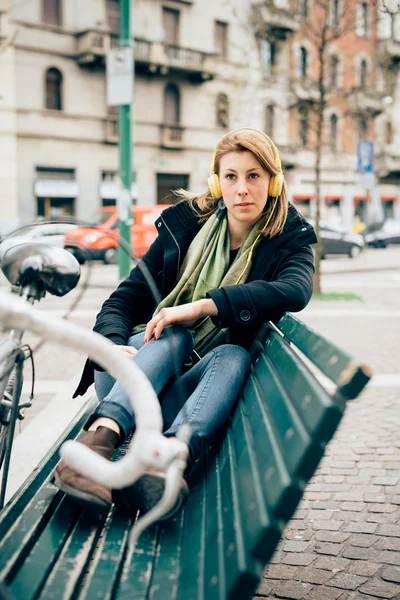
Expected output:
(245, 315)
(159, 224)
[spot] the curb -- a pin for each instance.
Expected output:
(360, 270)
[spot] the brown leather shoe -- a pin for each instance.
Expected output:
(103, 441)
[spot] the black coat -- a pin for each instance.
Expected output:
(280, 280)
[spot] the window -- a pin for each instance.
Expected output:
(268, 56)
(363, 74)
(335, 13)
(362, 19)
(54, 89)
(166, 183)
(270, 120)
(221, 38)
(303, 8)
(51, 12)
(113, 15)
(388, 133)
(303, 126)
(172, 104)
(362, 128)
(303, 62)
(55, 190)
(364, 16)
(222, 110)
(112, 122)
(333, 131)
(171, 26)
(334, 71)
(303, 205)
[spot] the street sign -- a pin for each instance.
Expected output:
(365, 157)
(120, 77)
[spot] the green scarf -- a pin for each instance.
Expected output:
(205, 267)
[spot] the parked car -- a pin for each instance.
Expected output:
(49, 233)
(387, 233)
(336, 240)
(94, 244)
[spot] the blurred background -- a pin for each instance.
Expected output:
(201, 68)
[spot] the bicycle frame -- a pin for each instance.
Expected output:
(149, 448)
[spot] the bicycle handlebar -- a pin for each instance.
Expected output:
(148, 447)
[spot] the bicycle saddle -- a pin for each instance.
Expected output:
(53, 269)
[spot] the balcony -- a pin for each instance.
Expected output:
(303, 90)
(387, 163)
(92, 46)
(271, 21)
(391, 48)
(111, 130)
(361, 101)
(288, 156)
(172, 136)
(161, 58)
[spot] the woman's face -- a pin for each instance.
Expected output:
(244, 185)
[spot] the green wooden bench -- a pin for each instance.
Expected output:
(241, 495)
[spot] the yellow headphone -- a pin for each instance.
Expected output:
(275, 183)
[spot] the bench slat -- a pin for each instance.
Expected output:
(319, 413)
(334, 362)
(138, 566)
(298, 451)
(191, 578)
(164, 581)
(242, 570)
(260, 531)
(104, 572)
(69, 570)
(281, 492)
(38, 565)
(23, 533)
(214, 569)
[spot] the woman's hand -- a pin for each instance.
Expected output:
(186, 314)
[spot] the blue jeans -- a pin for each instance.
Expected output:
(209, 389)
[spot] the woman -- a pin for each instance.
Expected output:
(225, 262)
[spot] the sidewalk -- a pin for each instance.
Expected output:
(371, 259)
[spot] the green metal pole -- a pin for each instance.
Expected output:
(125, 145)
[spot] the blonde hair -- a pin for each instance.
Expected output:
(243, 140)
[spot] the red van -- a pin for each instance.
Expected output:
(92, 244)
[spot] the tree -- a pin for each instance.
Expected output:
(328, 22)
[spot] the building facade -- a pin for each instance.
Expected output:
(201, 69)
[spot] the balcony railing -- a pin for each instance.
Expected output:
(303, 89)
(172, 136)
(160, 57)
(184, 56)
(268, 18)
(361, 101)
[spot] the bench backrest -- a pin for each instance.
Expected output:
(241, 495)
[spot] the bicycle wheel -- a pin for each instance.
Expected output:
(5, 413)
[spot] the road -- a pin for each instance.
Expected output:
(344, 541)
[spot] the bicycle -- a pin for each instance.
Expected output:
(24, 266)
(34, 269)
